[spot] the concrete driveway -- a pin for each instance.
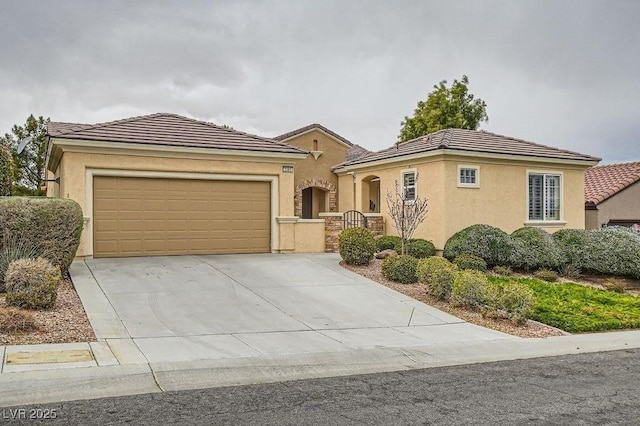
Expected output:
(184, 308)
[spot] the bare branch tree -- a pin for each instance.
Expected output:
(405, 213)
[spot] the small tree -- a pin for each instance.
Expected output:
(405, 213)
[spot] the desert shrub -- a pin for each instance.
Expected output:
(401, 268)
(572, 243)
(510, 300)
(357, 246)
(32, 283)
(417, 247)
(437, 274)
(613, 284)
(52, 226)
(570, 270)
(539, 249)
(387, 242)
(14, 248)
(546, 275)
(469, 261)
(505, 271)
(491, 244)
(469, 289)
(14, 320)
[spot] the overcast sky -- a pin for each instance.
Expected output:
(561, 73)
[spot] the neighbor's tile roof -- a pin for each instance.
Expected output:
(601, 182)
(472, 141)
(169, 130)
(304, 129)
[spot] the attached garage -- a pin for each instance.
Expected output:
(150, 216)
(163, 184)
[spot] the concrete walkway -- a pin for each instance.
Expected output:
(172, 323)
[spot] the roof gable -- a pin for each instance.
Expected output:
(473, 141)
(603, 182)
(315, 126)
(169, 130)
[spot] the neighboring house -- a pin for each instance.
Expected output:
(472, 177)
(316, 186)
(612, 195)
(165, 184)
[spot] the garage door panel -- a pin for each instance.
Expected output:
(148, 216)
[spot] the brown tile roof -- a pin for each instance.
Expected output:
(602, 182)
(471, 141)
(169, 130)
(304, 129)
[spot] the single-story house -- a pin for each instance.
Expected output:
(612, 195)
(165, 184)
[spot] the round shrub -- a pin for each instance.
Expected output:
(572, 243)
(491, 244)
(401, 268)
(505, 271)
(511, 300)
(539, 249)
(357, 246)
(469, 261)
(417, 247)
(32, 283)
(468, 289)
(546, 275)
(437, 274)
(387, 242)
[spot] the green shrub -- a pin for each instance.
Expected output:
(418, 248)
(12, 249)
(546, 275)
(14, 320)
(572, 243)
(387, 242)
(32, 283)
(51, 226)
(512, 300)
(437, 274)
(469, 289)
(401, 268)
(357, 246)
(469, 261)
(491, 244)
(539, 250)
(505, 271)
(613, 284)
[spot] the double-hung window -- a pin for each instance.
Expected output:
(544, 196)
(409, 185)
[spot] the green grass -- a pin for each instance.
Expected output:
(579, 309)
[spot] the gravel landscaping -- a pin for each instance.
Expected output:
(373, 271)
(66, 322)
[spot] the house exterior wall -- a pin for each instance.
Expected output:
(75, 181)
(500, 201)
(625, 205)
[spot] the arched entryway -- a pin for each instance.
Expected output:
(313, 196)
(371, 194)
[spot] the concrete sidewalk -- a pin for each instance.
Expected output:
(413, 335)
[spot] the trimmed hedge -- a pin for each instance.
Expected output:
(50, 226)
(487, 242)
(357, 246)
(387, 242)
(417, 248)
(469, 261)
(437, 274)
(401, 268)
(539, 250)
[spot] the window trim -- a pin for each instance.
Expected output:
(415, 183)
(468, 167)
(545, 222)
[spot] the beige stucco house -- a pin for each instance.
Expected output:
(612, 195)
(472, 177)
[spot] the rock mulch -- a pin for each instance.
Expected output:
(66, 322)
(531, 329)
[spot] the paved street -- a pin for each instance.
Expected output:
(597, 388)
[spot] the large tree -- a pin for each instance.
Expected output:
(445, 108)
(29, 166)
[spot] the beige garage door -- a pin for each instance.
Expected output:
(152, 217)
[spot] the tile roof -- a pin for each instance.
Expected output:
(471, 141)
(304, 129)
(169, 130)
(602, 182)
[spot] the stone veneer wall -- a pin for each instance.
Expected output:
(333, 225)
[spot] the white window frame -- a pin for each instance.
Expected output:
(415, 183)
(476, 184)
(544, 221)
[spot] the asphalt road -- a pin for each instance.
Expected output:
(599, 389)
